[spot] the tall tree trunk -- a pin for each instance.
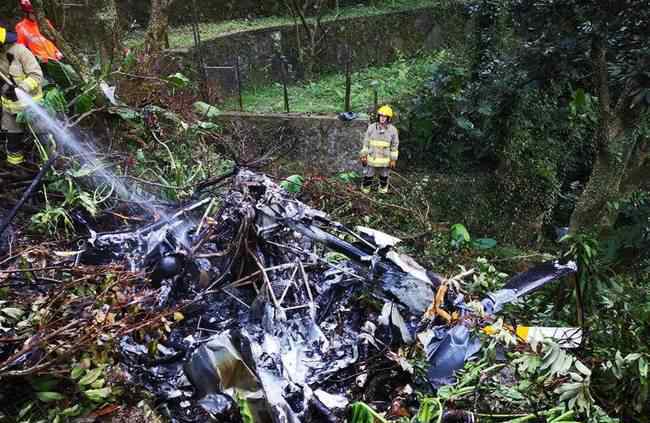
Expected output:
(614, 146)
(154, 41)
(110, 42)
(604, 184)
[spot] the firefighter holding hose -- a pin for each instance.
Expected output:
(380, 150)
(19, 69)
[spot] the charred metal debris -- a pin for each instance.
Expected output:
(288, 310)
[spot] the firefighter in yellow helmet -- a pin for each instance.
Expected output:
(19, 70)
(380, 150)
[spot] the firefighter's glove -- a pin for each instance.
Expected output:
(392, 164)
(364, 160)
(25, 87)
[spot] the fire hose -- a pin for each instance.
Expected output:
(7, 79)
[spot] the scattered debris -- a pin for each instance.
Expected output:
(280, 311)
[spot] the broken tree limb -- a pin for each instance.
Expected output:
(213, 181)
(35, 269)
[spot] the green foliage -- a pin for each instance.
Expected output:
(70, 187)
(583, 106)
(85, 102)
(363, 413)
(631, 374)
(205, 110)
(620, 339)
(51, 218)
(582, 248)
(399, 79)
(178, 80)
(58, 399)
(459, 235)
(576, 390)
(618, 327)
(127, 114)
(349, 177)
(560, 39)
(541, 156)
(245, 409)
(430, 408)
(55, 101)
(49, 396)
(460, 238)
(80, 99)
(9, 316)
(88, 391)
(486, 278)
(293, 183)
(173, 164)
(630, 239)
(487, 114)
(437, 119)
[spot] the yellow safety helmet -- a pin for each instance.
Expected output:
(386, 111)
(7, 37)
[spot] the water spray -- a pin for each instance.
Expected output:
(46, 123)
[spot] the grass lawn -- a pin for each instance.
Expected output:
(397, 80)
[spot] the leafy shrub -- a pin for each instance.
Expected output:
(630, 240)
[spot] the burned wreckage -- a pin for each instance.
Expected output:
(276, 302)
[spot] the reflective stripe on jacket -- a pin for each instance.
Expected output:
(380, 145)
(19, 63)
(30, 36)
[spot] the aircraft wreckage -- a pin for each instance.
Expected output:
(277, 316)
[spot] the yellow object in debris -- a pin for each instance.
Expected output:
(435, 308)
(566, 337)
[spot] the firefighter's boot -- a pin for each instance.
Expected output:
(383, 185)
(366, 184)
(15, 155)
